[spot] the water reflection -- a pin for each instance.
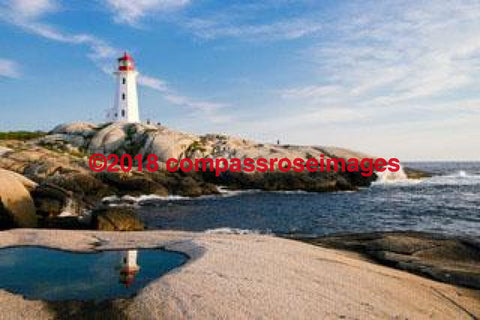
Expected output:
(54, 275)
(129, 267)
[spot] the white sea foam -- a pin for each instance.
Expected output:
(227, 230)
(229, 193)
(458, 178)
(113, 200)
(148, 197)
(127, 199)
(68, 210)
(463, 174)
(388, 176)
(292, 191)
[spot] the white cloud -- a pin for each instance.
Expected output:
(9, 68)
(389, 55)
(27, 15)
(205, 109)
(218, 27)
(153, 83)
(382, 73)
(32, 8)
(310, 92)
(250, 20)
(131, 12)
(19, 13)
(205, 106)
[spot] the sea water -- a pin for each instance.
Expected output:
(447, 203)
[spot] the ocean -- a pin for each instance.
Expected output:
(447, 203)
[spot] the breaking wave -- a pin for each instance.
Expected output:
(388, 177)
(399, 178)
(460, 177)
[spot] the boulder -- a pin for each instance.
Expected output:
(416, 174)
(108, 139)
(27, 183)
(16, 206)
(4, 150)
(116, 219)
(168, 144)
(79, 128)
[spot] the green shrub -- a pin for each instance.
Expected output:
(21, 135)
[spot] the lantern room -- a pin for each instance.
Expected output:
(126, 63)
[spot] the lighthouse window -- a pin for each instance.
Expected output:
(123, 113)
(124, 80)
(123, 96)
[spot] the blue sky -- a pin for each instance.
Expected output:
(392, 78)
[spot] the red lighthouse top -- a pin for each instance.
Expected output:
(126, 62)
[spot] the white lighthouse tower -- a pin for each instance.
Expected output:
(126, 98)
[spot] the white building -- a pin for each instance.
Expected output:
(126, 99)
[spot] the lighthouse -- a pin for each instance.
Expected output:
(126, 99)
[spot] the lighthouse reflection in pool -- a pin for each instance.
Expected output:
(129, 267)
(46, 274)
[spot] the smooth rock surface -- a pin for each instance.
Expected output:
(447, 259)
(16, 206)
(108, 139)
(250, 276)
(74, 128)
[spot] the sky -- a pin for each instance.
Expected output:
(391, 78)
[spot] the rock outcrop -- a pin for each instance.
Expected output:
(58, 162)
(16, 206)
(447, 259)
(134, 138)
(133, 184)
(108, 140)
(51, 201)
(116, 219)
(76, 128)
(416, 174)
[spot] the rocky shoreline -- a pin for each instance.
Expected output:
(54, 170)
(448, 259)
